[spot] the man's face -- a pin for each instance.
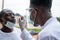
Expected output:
(9, 17)
(37, 14)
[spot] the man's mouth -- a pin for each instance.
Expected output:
(13, 20)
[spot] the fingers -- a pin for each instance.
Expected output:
(19, 22)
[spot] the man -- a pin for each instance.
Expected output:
(41, 15)
(8, 30)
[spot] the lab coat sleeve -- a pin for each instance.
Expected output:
(47, 38)
(25, 35)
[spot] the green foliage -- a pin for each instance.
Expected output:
(37, 30)
(58, 18)
(34, 29)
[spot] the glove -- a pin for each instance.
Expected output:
(22, 24)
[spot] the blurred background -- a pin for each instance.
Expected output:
(19, 7)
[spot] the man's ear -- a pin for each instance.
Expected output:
(1, 26)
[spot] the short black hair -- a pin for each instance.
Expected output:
(6, 11)
(46, 3)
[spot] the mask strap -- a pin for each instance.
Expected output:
(35, 16)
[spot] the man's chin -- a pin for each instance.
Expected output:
(36, 25)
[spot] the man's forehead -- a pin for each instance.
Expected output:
(6, 11)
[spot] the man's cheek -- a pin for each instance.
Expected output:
(3, 21)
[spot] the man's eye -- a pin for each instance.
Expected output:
(7, 15)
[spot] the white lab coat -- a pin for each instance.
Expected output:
(50, 31)
(26, 35)
(17, 34)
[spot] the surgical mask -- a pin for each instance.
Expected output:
(30, 21)
(10, 25)
(34, 24)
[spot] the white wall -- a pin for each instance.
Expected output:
(56, 8)
(0, 5)
(19, 6)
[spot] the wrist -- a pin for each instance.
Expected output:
(22, 29)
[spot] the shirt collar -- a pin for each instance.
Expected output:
(48, 21)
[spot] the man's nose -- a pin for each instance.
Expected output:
(13, 16)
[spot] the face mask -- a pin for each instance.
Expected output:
(10, 25)
(34, 24)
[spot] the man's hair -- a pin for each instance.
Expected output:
(46, 3)
(6, 11)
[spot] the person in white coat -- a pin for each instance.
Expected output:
(8, 30)
(41, 15)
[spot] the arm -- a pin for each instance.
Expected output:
(47, 38)
(25, 35)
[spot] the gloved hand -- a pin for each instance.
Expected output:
(22, 24)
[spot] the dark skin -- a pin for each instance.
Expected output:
(7, 15)
(40, 14)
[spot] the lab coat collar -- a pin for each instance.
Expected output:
(48, 21)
